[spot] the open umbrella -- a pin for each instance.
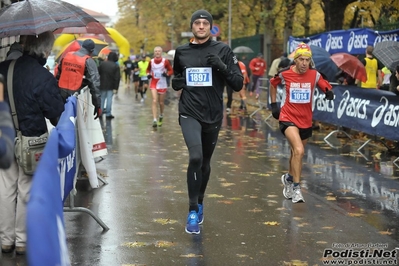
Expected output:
(388, 53)
(105, 51)
(351, 65)
(242, 50)
(36, 16)
(73, 46)
(102, 37)
(32, 17)
(323, 62)
(91, 27)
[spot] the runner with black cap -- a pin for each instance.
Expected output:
(201, 69)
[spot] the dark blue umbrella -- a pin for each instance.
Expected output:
(323, 63)
(32, 17)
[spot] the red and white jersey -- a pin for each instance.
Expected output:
(296, 106)
(157, 67)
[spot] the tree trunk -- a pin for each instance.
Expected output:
(334, 13)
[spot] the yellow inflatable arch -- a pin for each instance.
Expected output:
(121, 42)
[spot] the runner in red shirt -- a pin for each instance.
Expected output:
(243, 104)
(159, 68)
(295, 117)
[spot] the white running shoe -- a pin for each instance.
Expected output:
(287, 190)
(297, 195)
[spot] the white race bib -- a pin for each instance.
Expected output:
(300, 95)
(157, 75)
(199, 76)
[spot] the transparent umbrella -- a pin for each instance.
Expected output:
(242, 50)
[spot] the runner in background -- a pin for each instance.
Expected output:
(159, 69)
(242, 92)
(127, 70)
(144, 76)
(135, 76)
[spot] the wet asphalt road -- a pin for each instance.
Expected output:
(247, 220)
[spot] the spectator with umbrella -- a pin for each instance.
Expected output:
(373, 70)
(396, 89)
(37, 97)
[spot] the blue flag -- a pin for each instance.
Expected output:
(46, 241)
(52, 183)
(67, 146)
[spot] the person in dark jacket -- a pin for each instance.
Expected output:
(201, 69)
(37, 96)
(394, 81)
(77, 70)
(110, 76)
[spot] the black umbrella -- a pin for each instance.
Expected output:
(388, 53)
(32, 17)
(323, 62)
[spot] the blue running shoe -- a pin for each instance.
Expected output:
(192, 226)
(200, 213)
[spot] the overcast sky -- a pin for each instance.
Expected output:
(107, 7)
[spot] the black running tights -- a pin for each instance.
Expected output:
(201, 141)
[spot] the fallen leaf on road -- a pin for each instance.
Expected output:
(227, 184)
(134, 244)
(355, 214)
(225, 202)
(330, 198)
(385, 233)
(191, 255)
(271, 223)
(165, 221)
(256, 210)
(328, 227)
(164, 244)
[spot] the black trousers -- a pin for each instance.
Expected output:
(201, 141)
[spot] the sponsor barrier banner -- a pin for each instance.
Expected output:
(374, 112)
(352, 41)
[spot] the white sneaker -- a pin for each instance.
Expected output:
(228, 110)
(142, 100)
(287, 190)
(297, 195)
